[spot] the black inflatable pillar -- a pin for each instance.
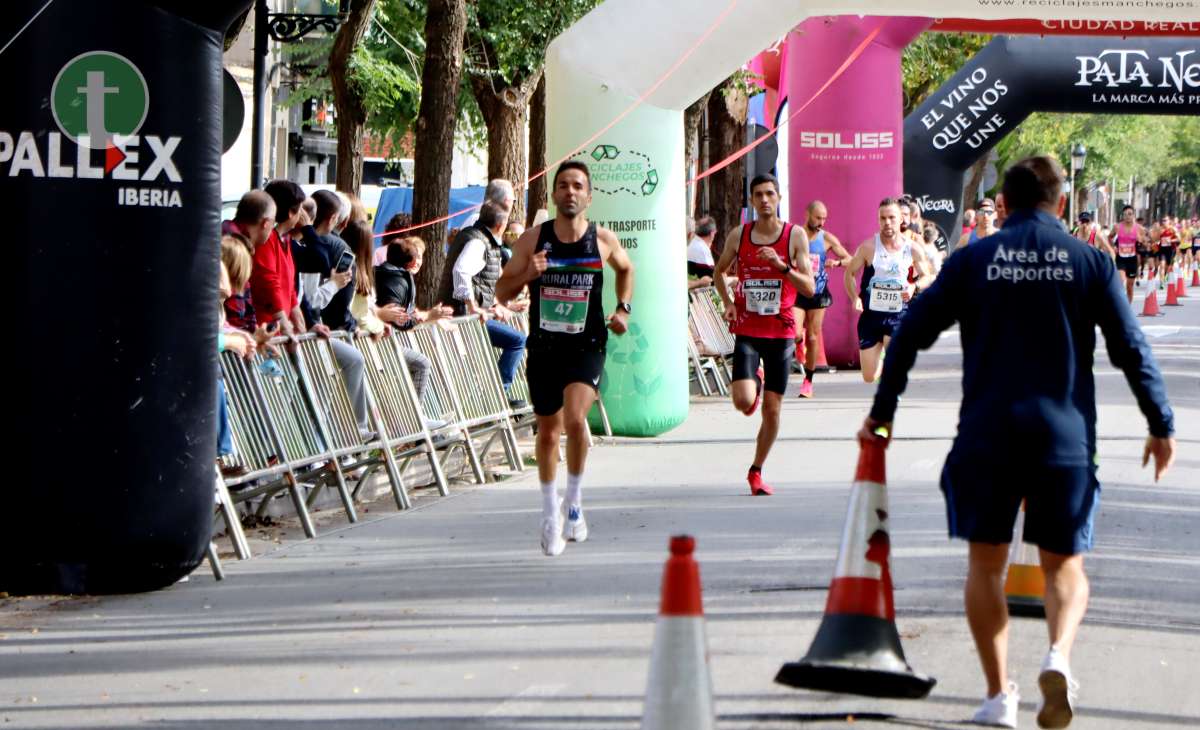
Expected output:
(110, 166)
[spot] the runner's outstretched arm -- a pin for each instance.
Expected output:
(801, 275)
(842, 257)
(925, 274)
(620, 263)
(1129, 351)
(1103, 244)
(521, 268)
(857, 263)
(728, 256)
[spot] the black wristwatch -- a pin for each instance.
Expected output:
(625, 307)
(786, 268)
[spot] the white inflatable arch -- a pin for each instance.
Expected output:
(668, 53)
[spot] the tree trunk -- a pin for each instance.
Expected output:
(537, 152)
(505, 110)
(351, 109)
(727, 134)
(445, 23)
(691, 147)
(971, 189)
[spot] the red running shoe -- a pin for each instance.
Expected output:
(757, 488)
(757, 396)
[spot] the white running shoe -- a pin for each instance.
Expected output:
(575, 529)
(999, 710)
(552, 539)
(1059, 691)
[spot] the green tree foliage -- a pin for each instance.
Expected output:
(932, 59)
(505, 50)
(386, 68)
(1150, 148)
(506, 42)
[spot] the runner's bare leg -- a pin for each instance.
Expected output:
(987, 611)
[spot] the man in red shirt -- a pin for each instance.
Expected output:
(253, 223)
(273, 282)
(276, 298)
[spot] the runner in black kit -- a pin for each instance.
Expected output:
(562, 261)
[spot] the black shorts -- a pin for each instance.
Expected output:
(549, 374)
(1167, 254)
(1128, 265)
(776, 355)
(820, 301)
(1060, 504)
(874, 326)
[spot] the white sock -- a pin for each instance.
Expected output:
(574, 495)
(549, 499)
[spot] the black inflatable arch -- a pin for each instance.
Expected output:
(110, 168)
(1014, 76)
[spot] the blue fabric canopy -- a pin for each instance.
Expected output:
(399, 200)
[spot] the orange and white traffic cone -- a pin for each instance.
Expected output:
(1025, 584)
(1196, 274)
(1180, 284)
(679, 690)
(1150, 307)
(857, 648)
(1172, 294)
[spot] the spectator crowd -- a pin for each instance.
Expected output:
(293, 264)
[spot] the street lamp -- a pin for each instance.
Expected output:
(1078, 157)
(285, 28)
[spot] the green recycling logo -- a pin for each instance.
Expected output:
(622, 171)
(98, 95)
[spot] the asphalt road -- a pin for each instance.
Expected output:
(448, 616)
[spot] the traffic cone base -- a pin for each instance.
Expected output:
(859, 655)
(857, 648)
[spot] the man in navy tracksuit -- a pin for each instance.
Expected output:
(1030, 294)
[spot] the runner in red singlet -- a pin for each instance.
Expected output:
(1168, 239)
(772, 268)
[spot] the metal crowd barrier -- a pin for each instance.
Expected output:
(398, 415)
(713, 336)
(701, 366)
(269, 440)
(442, 400)
(293, 423)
